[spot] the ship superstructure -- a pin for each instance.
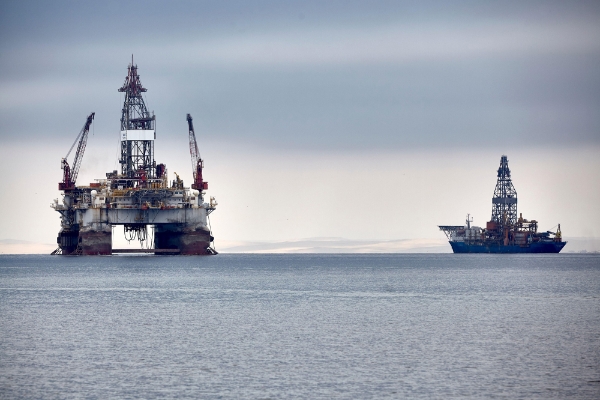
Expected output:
(138, 196)
(505, 232)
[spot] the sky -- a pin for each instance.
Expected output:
(370, 120)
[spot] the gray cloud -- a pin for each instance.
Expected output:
(312, 75)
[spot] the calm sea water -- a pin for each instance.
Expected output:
(300, 326)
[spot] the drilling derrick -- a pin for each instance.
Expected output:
(137, 198)
(137, 129)
(504, 202)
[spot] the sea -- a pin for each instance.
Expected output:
(301, 326)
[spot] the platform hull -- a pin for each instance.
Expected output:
(180, 229)
(67, 241)
(96, 243)
(188, 242)
(544, 247)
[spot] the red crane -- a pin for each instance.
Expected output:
(70, 174)
(197, 163)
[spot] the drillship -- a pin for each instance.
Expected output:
(137, 196)
(505, 232)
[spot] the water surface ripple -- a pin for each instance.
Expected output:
(300, 326)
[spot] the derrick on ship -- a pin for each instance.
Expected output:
(505, 232)
(139, 196)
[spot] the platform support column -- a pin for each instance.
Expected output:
(67, 241)
(187, 240)
(96, 242)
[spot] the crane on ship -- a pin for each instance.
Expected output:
(70, 174)
(197, 163)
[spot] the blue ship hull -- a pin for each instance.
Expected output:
(539, 247)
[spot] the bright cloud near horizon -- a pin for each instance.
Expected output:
(363, 121)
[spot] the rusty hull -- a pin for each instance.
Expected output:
(95, 243)
(188, 242)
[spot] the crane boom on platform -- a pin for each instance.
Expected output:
(70, 174)
(197, 163)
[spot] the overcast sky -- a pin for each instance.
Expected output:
(325, 91)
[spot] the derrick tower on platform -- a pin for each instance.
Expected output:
(504, 202)
(137, 129)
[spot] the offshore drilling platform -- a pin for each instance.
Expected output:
(504, 233)
(138, 196)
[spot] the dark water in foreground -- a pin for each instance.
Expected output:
(300, 326)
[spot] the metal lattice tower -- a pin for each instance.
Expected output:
(504, 202)
(137, 129)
